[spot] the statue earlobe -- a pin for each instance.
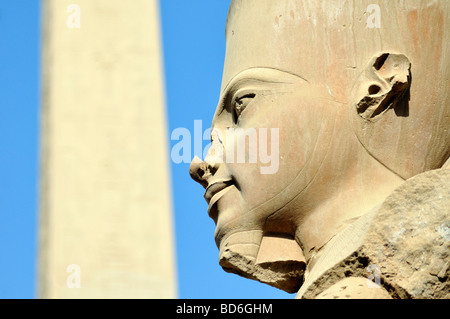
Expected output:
(384, 85)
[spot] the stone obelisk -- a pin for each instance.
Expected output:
(106, 228)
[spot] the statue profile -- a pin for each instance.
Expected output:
(353, 97)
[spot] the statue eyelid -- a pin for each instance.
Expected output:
(240, 103)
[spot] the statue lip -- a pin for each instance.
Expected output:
(221, 190)
(214, 188)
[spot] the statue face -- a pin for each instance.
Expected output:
(272, 115)
(275, 94)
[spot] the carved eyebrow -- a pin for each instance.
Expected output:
(264, 74)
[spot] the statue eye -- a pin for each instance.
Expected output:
(240, 103)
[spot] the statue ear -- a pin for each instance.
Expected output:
(384, 85)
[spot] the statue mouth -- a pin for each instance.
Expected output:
(213, 193)
(215, 188)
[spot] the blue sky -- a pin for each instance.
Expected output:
(194, 48)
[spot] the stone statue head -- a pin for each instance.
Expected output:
(333, 105)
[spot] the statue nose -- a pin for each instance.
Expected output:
(198, 170)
